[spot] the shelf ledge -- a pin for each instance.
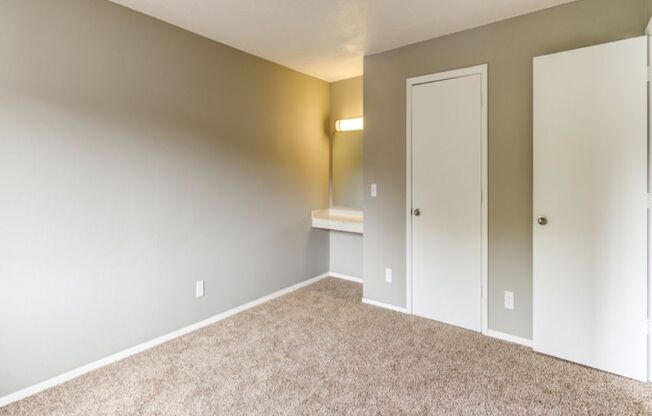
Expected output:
(337, 219)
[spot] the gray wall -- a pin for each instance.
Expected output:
(136, 158)
(508, 48)
(346, 102)
(346, 253)
(347, 157)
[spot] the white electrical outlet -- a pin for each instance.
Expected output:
(374, 190)
(199, 288)
(509, 300)
(388, 275)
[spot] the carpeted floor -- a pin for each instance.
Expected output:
(319, 351)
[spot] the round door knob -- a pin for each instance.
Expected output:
(542, 220)
(417, 212)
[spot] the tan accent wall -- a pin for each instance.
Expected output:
(346, 102)
(347, 157)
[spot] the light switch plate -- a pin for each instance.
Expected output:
(374, 190)
(199, 288)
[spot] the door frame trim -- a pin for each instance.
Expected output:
(424, 79)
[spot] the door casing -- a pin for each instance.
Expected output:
(424, 79)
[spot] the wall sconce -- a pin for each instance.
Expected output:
(349, 124)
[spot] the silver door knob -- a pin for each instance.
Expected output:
(542, 220)
(417, 212)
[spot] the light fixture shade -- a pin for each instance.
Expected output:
(349, 124)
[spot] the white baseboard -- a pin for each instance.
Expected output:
(490, 332)
(385, 305)
(510, 338)
(346, 277)
(62, 378)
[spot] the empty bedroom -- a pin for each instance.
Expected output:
(325, 207)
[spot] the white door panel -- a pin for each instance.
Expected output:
(446, 130)
(590, 181)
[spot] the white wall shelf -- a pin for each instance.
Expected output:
(337, 219)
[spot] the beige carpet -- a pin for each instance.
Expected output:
(319, 351)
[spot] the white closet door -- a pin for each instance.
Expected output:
(446, 189)
(590, 182)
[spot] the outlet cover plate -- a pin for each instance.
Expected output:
(388, 275)
(509, 300)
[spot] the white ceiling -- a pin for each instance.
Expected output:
(328, 38)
